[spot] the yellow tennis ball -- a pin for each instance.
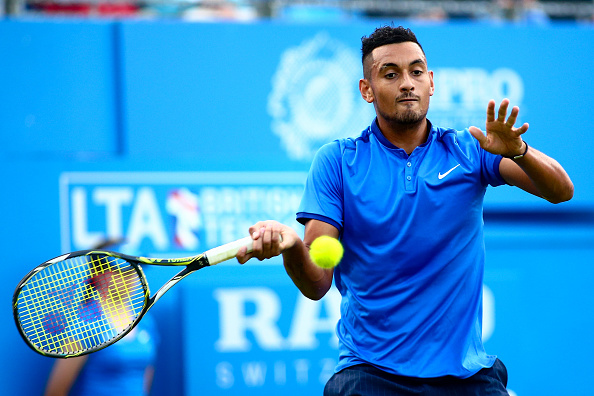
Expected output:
(326, 252)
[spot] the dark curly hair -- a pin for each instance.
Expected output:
(386, 35)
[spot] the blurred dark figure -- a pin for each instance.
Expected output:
(532, 12)
(433, 15)
(504, 10)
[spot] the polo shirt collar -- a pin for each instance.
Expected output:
(374, 128)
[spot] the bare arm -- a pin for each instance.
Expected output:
(313, 281)
(149, 374)
(535, 173)
(538, 174)
(63, 375)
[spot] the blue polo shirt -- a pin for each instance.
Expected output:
(412, 228)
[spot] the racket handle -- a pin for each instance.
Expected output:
(229, 250)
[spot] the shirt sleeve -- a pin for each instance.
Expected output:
(323, 198)
(490, 168)
(489, 163)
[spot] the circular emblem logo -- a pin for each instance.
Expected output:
(315, 96)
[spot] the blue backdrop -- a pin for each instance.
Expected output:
(177, 136)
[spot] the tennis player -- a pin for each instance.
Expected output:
(406, 199)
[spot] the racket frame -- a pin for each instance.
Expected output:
(191, 264)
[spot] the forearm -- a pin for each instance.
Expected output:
(63, 375)
(149, 373)
(541, 175)
(313, 281)
(271, 239)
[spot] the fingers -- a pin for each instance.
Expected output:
(266, 237)
(478, 135)
(523, 128)
(269, 242)
(502, 110)
(502, 113)
(242, 255)
(511, 120)
(513, 117)
(491, 111)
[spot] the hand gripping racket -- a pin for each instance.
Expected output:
(84, 301)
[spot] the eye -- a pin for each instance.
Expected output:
(390, 75)
(417, 72)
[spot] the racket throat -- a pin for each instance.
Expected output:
(192, 267)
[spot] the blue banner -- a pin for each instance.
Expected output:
(176, 137)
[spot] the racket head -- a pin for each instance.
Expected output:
(80, 302)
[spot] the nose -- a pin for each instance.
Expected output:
(406, 84)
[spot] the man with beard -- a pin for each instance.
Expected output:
(406, 200)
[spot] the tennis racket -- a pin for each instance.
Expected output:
(84, 301)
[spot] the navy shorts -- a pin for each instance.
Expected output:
(366, 380)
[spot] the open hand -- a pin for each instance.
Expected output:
(501, 137)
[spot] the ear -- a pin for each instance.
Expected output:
(432, 89)
(366, 91)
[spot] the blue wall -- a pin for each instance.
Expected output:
(104, 124)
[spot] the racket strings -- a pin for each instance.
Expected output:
(87, 311)
(80, 303)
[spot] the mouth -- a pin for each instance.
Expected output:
(407, 100)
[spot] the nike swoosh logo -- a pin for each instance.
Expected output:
(441, 176)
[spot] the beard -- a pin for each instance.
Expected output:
(407, 117)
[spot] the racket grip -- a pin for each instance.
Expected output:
(229, 250)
